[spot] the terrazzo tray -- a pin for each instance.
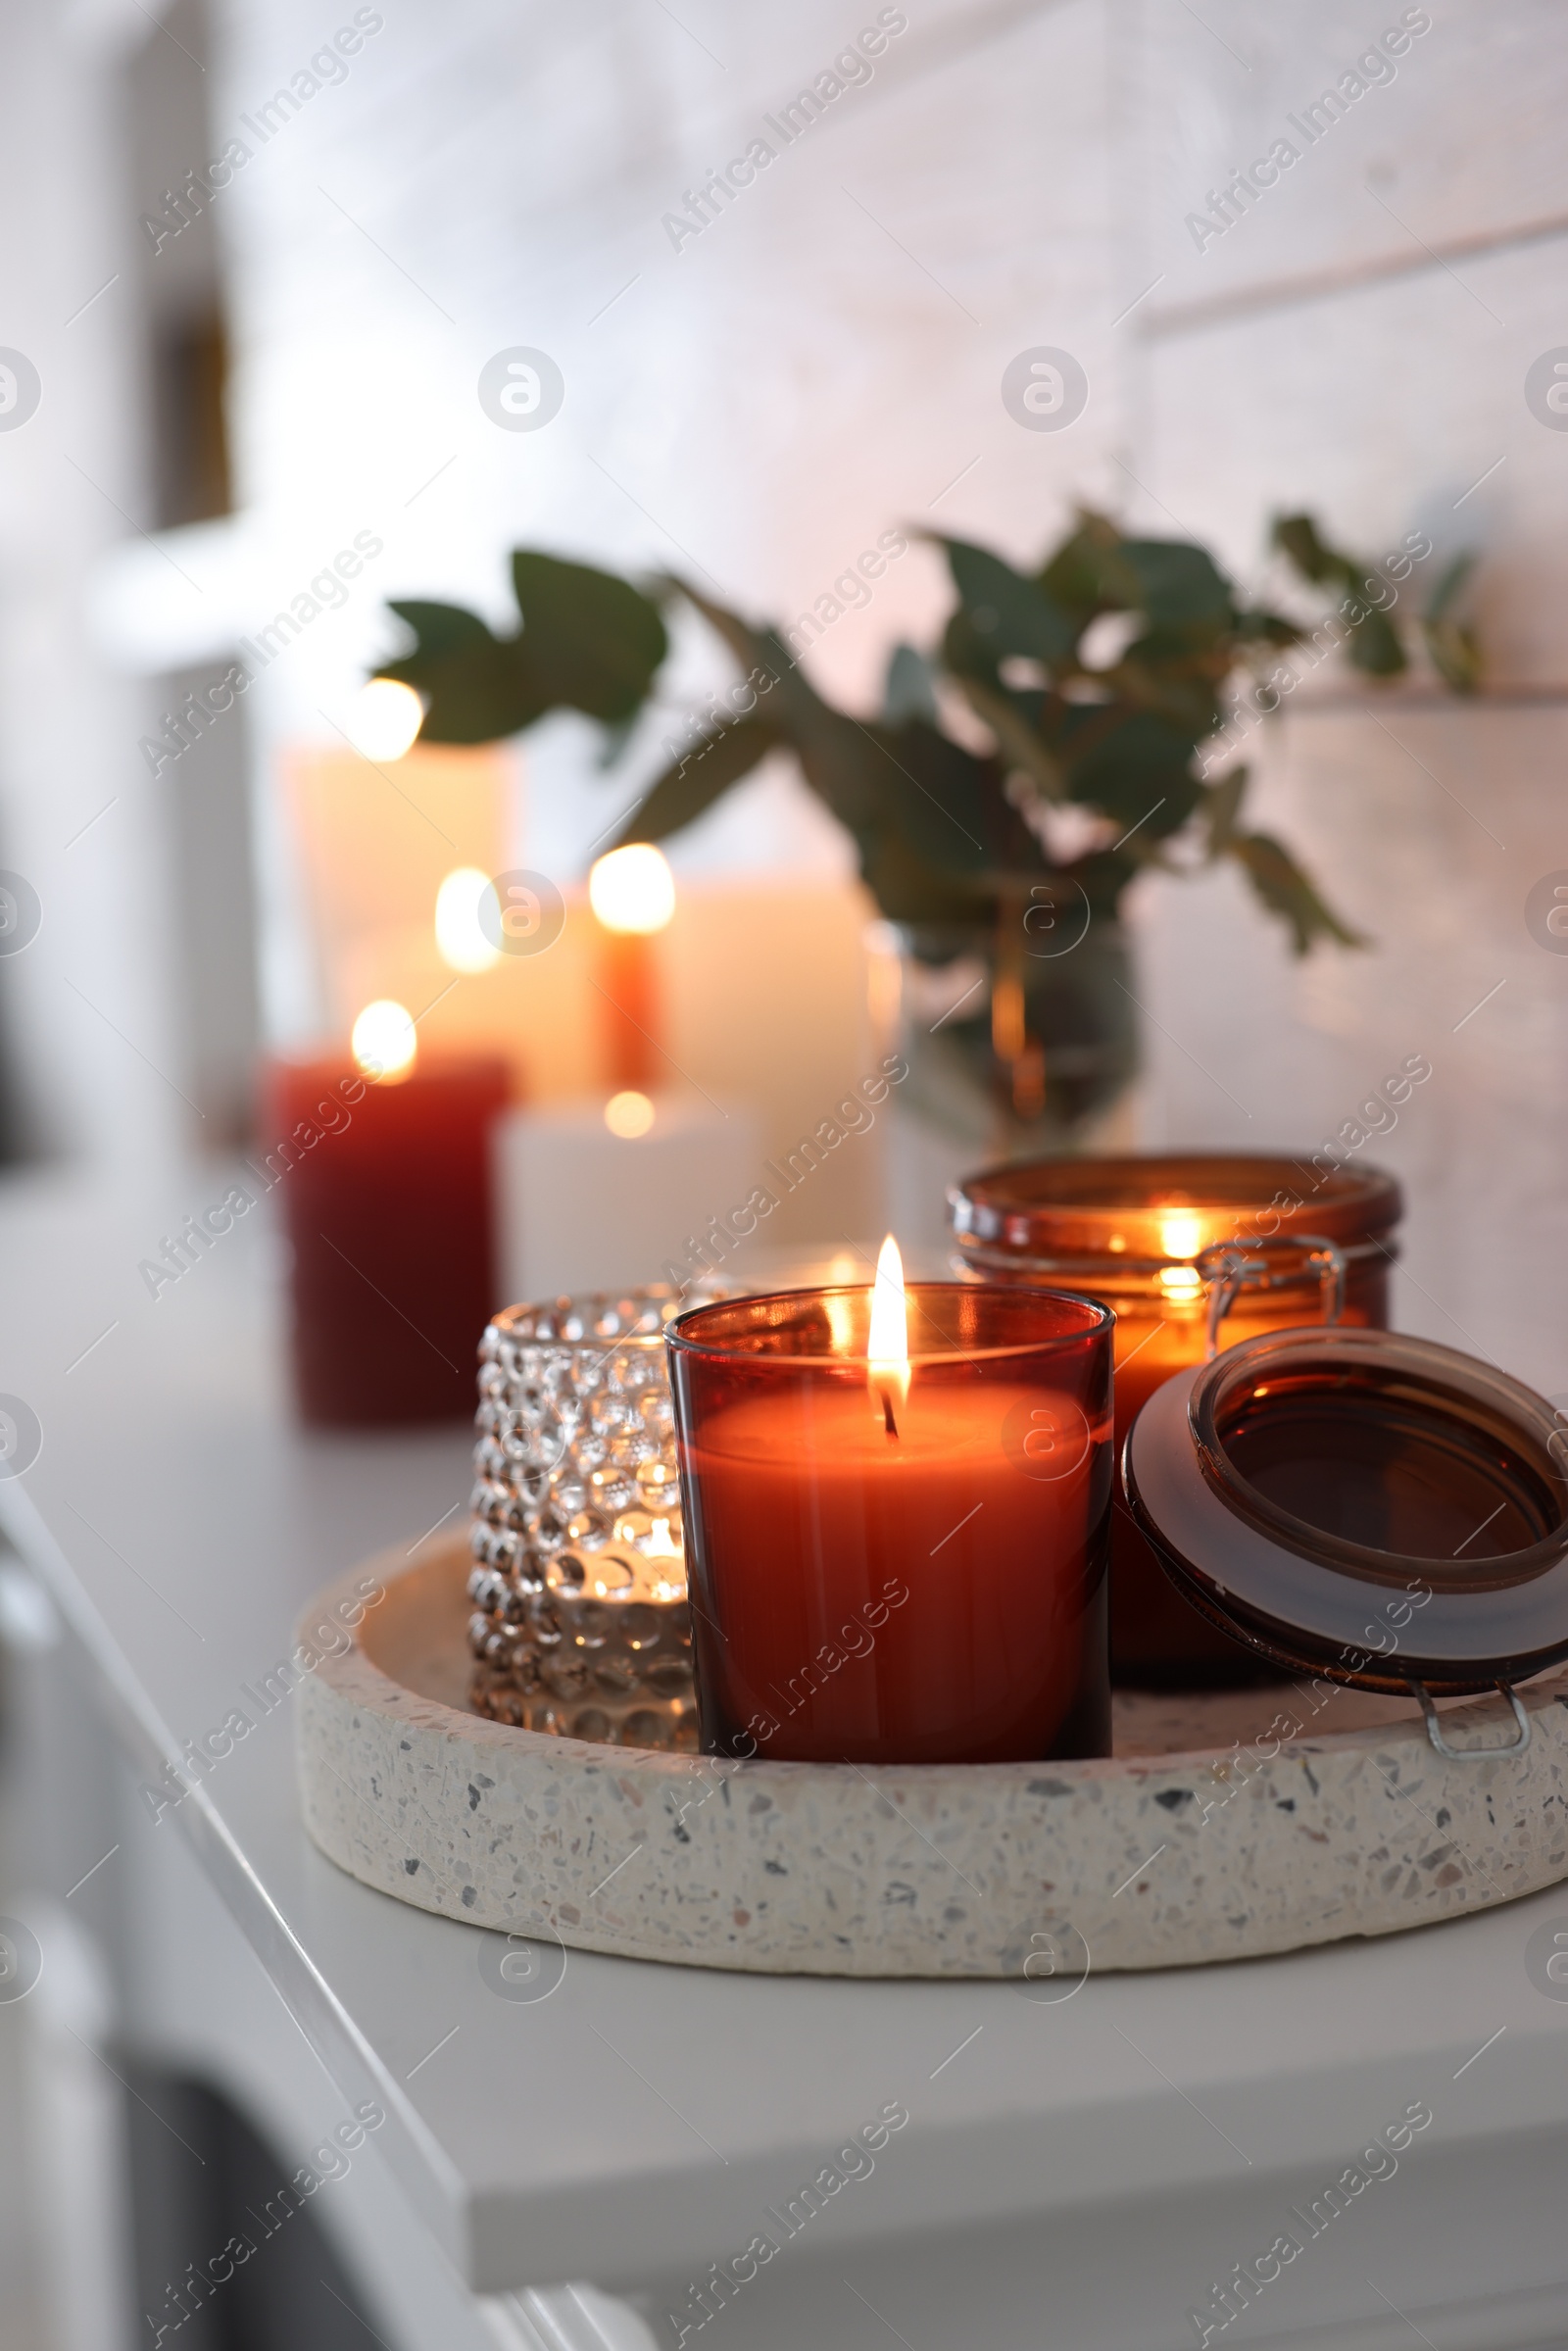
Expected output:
(1216, 1832)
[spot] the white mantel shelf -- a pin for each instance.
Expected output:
(634, 2124)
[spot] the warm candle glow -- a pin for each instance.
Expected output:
(459, 935)
(889, 1346)
(843, 1274)
(383, 1042)
(632, 888)
(661, 1545)
(1181, 1236)
(1181, 1281)
(628, 1114)
(386, 717)
(840, 1314)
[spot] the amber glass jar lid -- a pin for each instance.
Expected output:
(1373, 1507)
(1155, 1207)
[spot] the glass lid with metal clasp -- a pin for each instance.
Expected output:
(1378, 1509)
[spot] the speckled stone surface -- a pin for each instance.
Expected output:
(1216, 1832)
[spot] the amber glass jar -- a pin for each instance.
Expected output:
(1383, 1511)
(1167, 1241)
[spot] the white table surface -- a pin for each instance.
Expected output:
(634, 2124)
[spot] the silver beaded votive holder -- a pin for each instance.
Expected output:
(580, 1621)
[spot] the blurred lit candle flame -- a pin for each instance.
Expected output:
(1181, 1236)
(383, 1042)
(459, 935)
(384, 719)
(632, 890)
(629, 1115)
(888, 1348)
(1181, 1281)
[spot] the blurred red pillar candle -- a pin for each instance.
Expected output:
(385, 1187)
(898, 1561)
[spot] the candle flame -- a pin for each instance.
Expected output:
(888, 1348)
(1181, 1236)
(384, 719)
(629, 1115)
(459, 932)
(383, 1042)
(632, 888)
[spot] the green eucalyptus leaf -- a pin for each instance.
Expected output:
(968, 652)
(748, 644)
(839, 757)
(1179, 589)
(946, 788)
(1019, 738)
(1134, 765)
(1104, 876)
(1297, 537)
(1374, 645)
(1088, 575)
(689, 789)
(907, 888)
(1175, 682)
(910, 691)
(442, 628)
(480, 692)
(1258, 628)
(1220, 806)
(1007, 614)
(597, 639)
(1287, 891)
(1455, 653)
(614, 739)
(589, 642)
(935, 794)
(1452, 646)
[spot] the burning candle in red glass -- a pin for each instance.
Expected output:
(897, 1550)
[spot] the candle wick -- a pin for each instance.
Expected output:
(887, 1421)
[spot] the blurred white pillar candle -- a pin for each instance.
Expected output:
(601, 1194)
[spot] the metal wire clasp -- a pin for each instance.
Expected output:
(1507, 1746)
(1227, 1268)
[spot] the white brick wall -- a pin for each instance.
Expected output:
(825, 359)
(1379, 405)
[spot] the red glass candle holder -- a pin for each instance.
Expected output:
(924, 1583)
